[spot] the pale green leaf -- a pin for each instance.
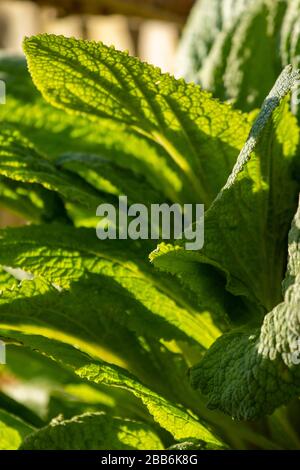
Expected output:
(206, 29)
(249, 77)
(290, 45)
(236, 48)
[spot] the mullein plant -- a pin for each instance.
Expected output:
(137, 344)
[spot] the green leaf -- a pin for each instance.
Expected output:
(107, 177)
(63, 255)
(37, 306)
(249, 77)
(53, 132)
(12, 431)
(93, 431)
(236, 48)
(21, 162)
(249, 373)
(184, 122)
(255, 207)
(179, 422)
(205, 31)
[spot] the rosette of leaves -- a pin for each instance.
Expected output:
(126, 349)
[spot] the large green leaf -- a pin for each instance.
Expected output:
(64, 255)
(255, 207)
(21, 162)
(182, 120)
(93, 431)
(176, 420)
(53, 132)
(249, 373)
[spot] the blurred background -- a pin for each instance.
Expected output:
(149, 29)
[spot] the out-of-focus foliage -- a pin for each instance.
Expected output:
(237, 48)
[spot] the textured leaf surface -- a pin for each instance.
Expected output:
(249, 373)
(53, 132)
(98, 311)
(63, 255)
(86, 315)
(21, 162)
(181, 119)
(93, 431)
(180, 423)
(251, 211)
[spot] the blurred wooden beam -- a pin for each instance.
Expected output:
(18, 19)
(169, 10)
(158, 41)
(112, 30)
(70, 26)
